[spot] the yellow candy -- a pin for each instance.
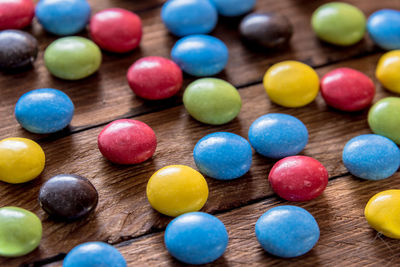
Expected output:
(291, 84)
(383, 213)
(21, 160)
(177, 189)
(388, 71)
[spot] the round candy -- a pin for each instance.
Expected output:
(388, 69)
(232, 8)
(20, 231)
(72, 58)
(339, 23)
(371, 157)
(177, 189)
(154, 78)
(16, 14)
(18, 49)
(63, 17)
(270, 30)
(123, 30)
(68, 196)
(127, 141)
(347, 89)
(200, 55)
(186, 17)
(223, 156)
(384, 28)
(196, 238)
(93, 254)
(384, 118)
(291, 84)
(278, 135)
(44, 111)
(383, 212)
(298, 178)
(287, 231)
(212, 101)
(21, 160)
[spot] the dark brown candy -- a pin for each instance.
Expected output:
(270, 30)
(68, 196)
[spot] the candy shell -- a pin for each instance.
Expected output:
(388, 69)
(233, 8)
(16, 14)
(384, 28)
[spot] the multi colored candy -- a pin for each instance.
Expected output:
(16, 14)
(384, 28)
(233, 8)
(387, 71)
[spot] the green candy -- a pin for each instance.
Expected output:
(339, 23)
(20, 231)
(72, 58)
(212, 101)
(384, 118)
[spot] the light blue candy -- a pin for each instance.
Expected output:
(63, 17)
(44, 110)
(384, 28)
(371, 157)
(185, 17)
(196, 238)
(277, 135)
(287, 231)
(223, 156)
(94, 254)
(200, 55)
(232, 8)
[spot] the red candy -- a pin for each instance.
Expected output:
(298, 178)
(154, 78)
(127, 141)
(116, 30)
(347, 89)
(16, 14)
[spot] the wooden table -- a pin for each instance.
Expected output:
(125, 219)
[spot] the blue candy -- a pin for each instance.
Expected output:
(200, 55)
(196, 238)
(223, 156)
(278, 135)
(384, 28)
(63, 17)
(232, 8)
(287, 231)
(371, 157)
(44, 111)
(94, 254)
(185, 17)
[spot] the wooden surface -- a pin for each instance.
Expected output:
(125, 219)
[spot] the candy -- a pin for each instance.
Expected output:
(347, 89)
(93, 254)
(232, 8)
(278, 135)
(384, 118)
(223, 156)
(123, 30)
(196, 238)
(291, 84)
(287, 231)
(21, 160)
(72, 58)
(63, 17)
(383, 212)
(298, 178)
(388, 69)
(339, 23)
(177, 189)
(384, 28)
(68, 196)
(186, 17)
(18, 49)
(154, 78)
(269, 30)
(16, 14)
(200, 55)
(20, 231)
(44, 110)
(127, 141)
(212, 101)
